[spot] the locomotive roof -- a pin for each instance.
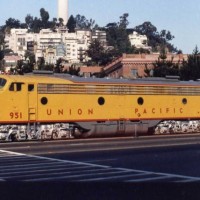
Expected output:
(142, 81)
(33, 79)
(67, 79)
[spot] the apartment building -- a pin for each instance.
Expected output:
(76, 45)
(18, 39)
(50, 45)
(139, 41)
(101, 36)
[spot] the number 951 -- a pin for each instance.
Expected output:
(16, 115)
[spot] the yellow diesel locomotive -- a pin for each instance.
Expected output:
(45, 105)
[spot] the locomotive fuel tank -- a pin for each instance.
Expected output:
(113, 128)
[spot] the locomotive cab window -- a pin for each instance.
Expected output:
(2, 82)
(16, 87)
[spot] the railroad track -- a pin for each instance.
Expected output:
(100, 144)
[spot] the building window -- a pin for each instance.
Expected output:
(134, 72)
(21, 41)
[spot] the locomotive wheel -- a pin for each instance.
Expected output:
(14, 137)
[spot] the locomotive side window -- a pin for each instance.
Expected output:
(15, 87)
(12, 87)
(30, 87)
(19, 86)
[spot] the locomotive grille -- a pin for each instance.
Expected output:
(117, 89)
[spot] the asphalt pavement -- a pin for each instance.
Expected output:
(147, 159)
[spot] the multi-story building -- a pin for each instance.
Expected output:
(45, 45)
(53, 45)
(76, 45)
(18, 39)
(101, 36)
(134, 65)
(139, 41)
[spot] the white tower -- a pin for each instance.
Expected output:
(63, 10)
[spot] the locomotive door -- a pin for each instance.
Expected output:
(32, 102)
(121, 124)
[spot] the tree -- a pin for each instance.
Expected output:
(191, 67)
(95, 52)
(147, 28)
(1, 55)
(98, 54)
(2, 52)
(13, 23)
(83, 23)
(73, 70)
(140, 50)
(155, 39)
(44, 17)
(71, 24)
(117, 35)
(164, 67)
(53, 24)
(61, 22)
(2, 42)
(19, 67)
(37, 25)
(58, 67)
(43, 66)
(29, 21)
(41, 63)
(30, 58)
(112, 34)
(1, 59)
(124, 21)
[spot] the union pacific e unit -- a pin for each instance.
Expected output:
(53, 106)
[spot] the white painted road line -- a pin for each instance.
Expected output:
(113, 177)
(22, 167)
(54, 159)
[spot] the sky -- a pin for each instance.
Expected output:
(180, 17)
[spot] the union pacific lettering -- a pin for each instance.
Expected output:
(70, 112)
(154, 111)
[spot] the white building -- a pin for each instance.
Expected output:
(101, 36)
(77, 43)
(17, 40)
(45, 43)
(139, 41)
(51, 45)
